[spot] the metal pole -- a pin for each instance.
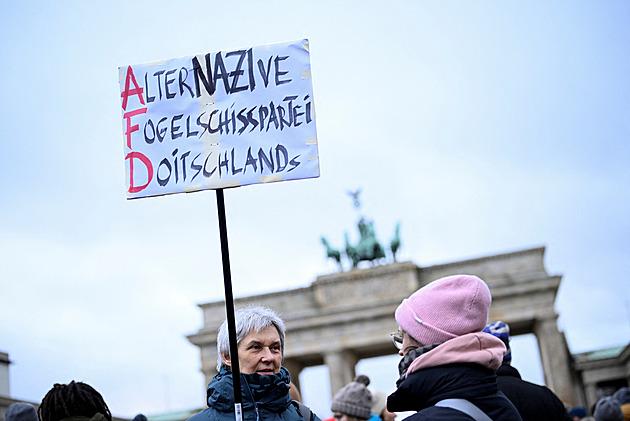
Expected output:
(229, 307)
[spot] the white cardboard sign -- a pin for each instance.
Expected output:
(217, 120)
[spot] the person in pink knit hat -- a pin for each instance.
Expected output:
(447, 371)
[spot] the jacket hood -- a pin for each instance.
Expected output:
(271, 392)
(476, 348)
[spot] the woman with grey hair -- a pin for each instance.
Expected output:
(251, 319)
(265, 383)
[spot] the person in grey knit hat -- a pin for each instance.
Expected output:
(354, 401)
(608, 409)
(21, 411)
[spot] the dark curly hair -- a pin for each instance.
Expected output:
(73, 399)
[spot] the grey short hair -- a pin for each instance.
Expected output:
(250, 319)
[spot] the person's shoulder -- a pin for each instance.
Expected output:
(306, 412)
(543, 391)
(531, 389)
(438, 413)
(201, 416)
(507, 370)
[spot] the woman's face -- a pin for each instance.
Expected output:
(259, 352)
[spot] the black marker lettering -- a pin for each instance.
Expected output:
(294, 162)
(183, 158)
(250, 68)
(174, 129)
(243, 120)
(238, 71)
(273, 118)
(158, 74)
(195, 167)
(223, 163)
(182, 82)
(278, 72)
(268, 160)
(208, 82)
(163, 181)
(250, 161)
(251, 119)
(264, 73)
(161, 132)
(205, 165)
(263, 112)
(235, 170)
(146, 137)
(146, 86)
(220, 72)
(188, 132)
(167, 82)
(281, 152)
(176, 169)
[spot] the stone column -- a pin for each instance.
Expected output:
(590, 390)
(555, 359)
(340, 365)
(208, 361)
(5, 387)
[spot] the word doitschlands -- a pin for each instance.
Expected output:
(185, 168)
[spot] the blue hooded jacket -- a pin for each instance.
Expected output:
(265, 398)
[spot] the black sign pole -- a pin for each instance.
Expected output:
(229, 307)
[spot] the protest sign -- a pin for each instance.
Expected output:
(217, 120)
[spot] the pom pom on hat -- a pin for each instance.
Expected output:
(445, 309)
(502, 331)
(354, 399)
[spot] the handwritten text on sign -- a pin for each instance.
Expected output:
(219, 120)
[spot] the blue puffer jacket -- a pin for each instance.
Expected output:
(265, 398)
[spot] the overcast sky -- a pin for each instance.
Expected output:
(483, 127)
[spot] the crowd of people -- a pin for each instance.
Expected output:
(454, 367)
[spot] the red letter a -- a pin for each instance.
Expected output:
(135, 91)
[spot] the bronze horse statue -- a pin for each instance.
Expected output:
(331, 252)
(368, 248)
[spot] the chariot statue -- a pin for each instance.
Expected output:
(368, 248)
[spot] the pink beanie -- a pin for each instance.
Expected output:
(445, 309)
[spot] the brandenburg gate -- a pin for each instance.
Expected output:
(344, 317)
